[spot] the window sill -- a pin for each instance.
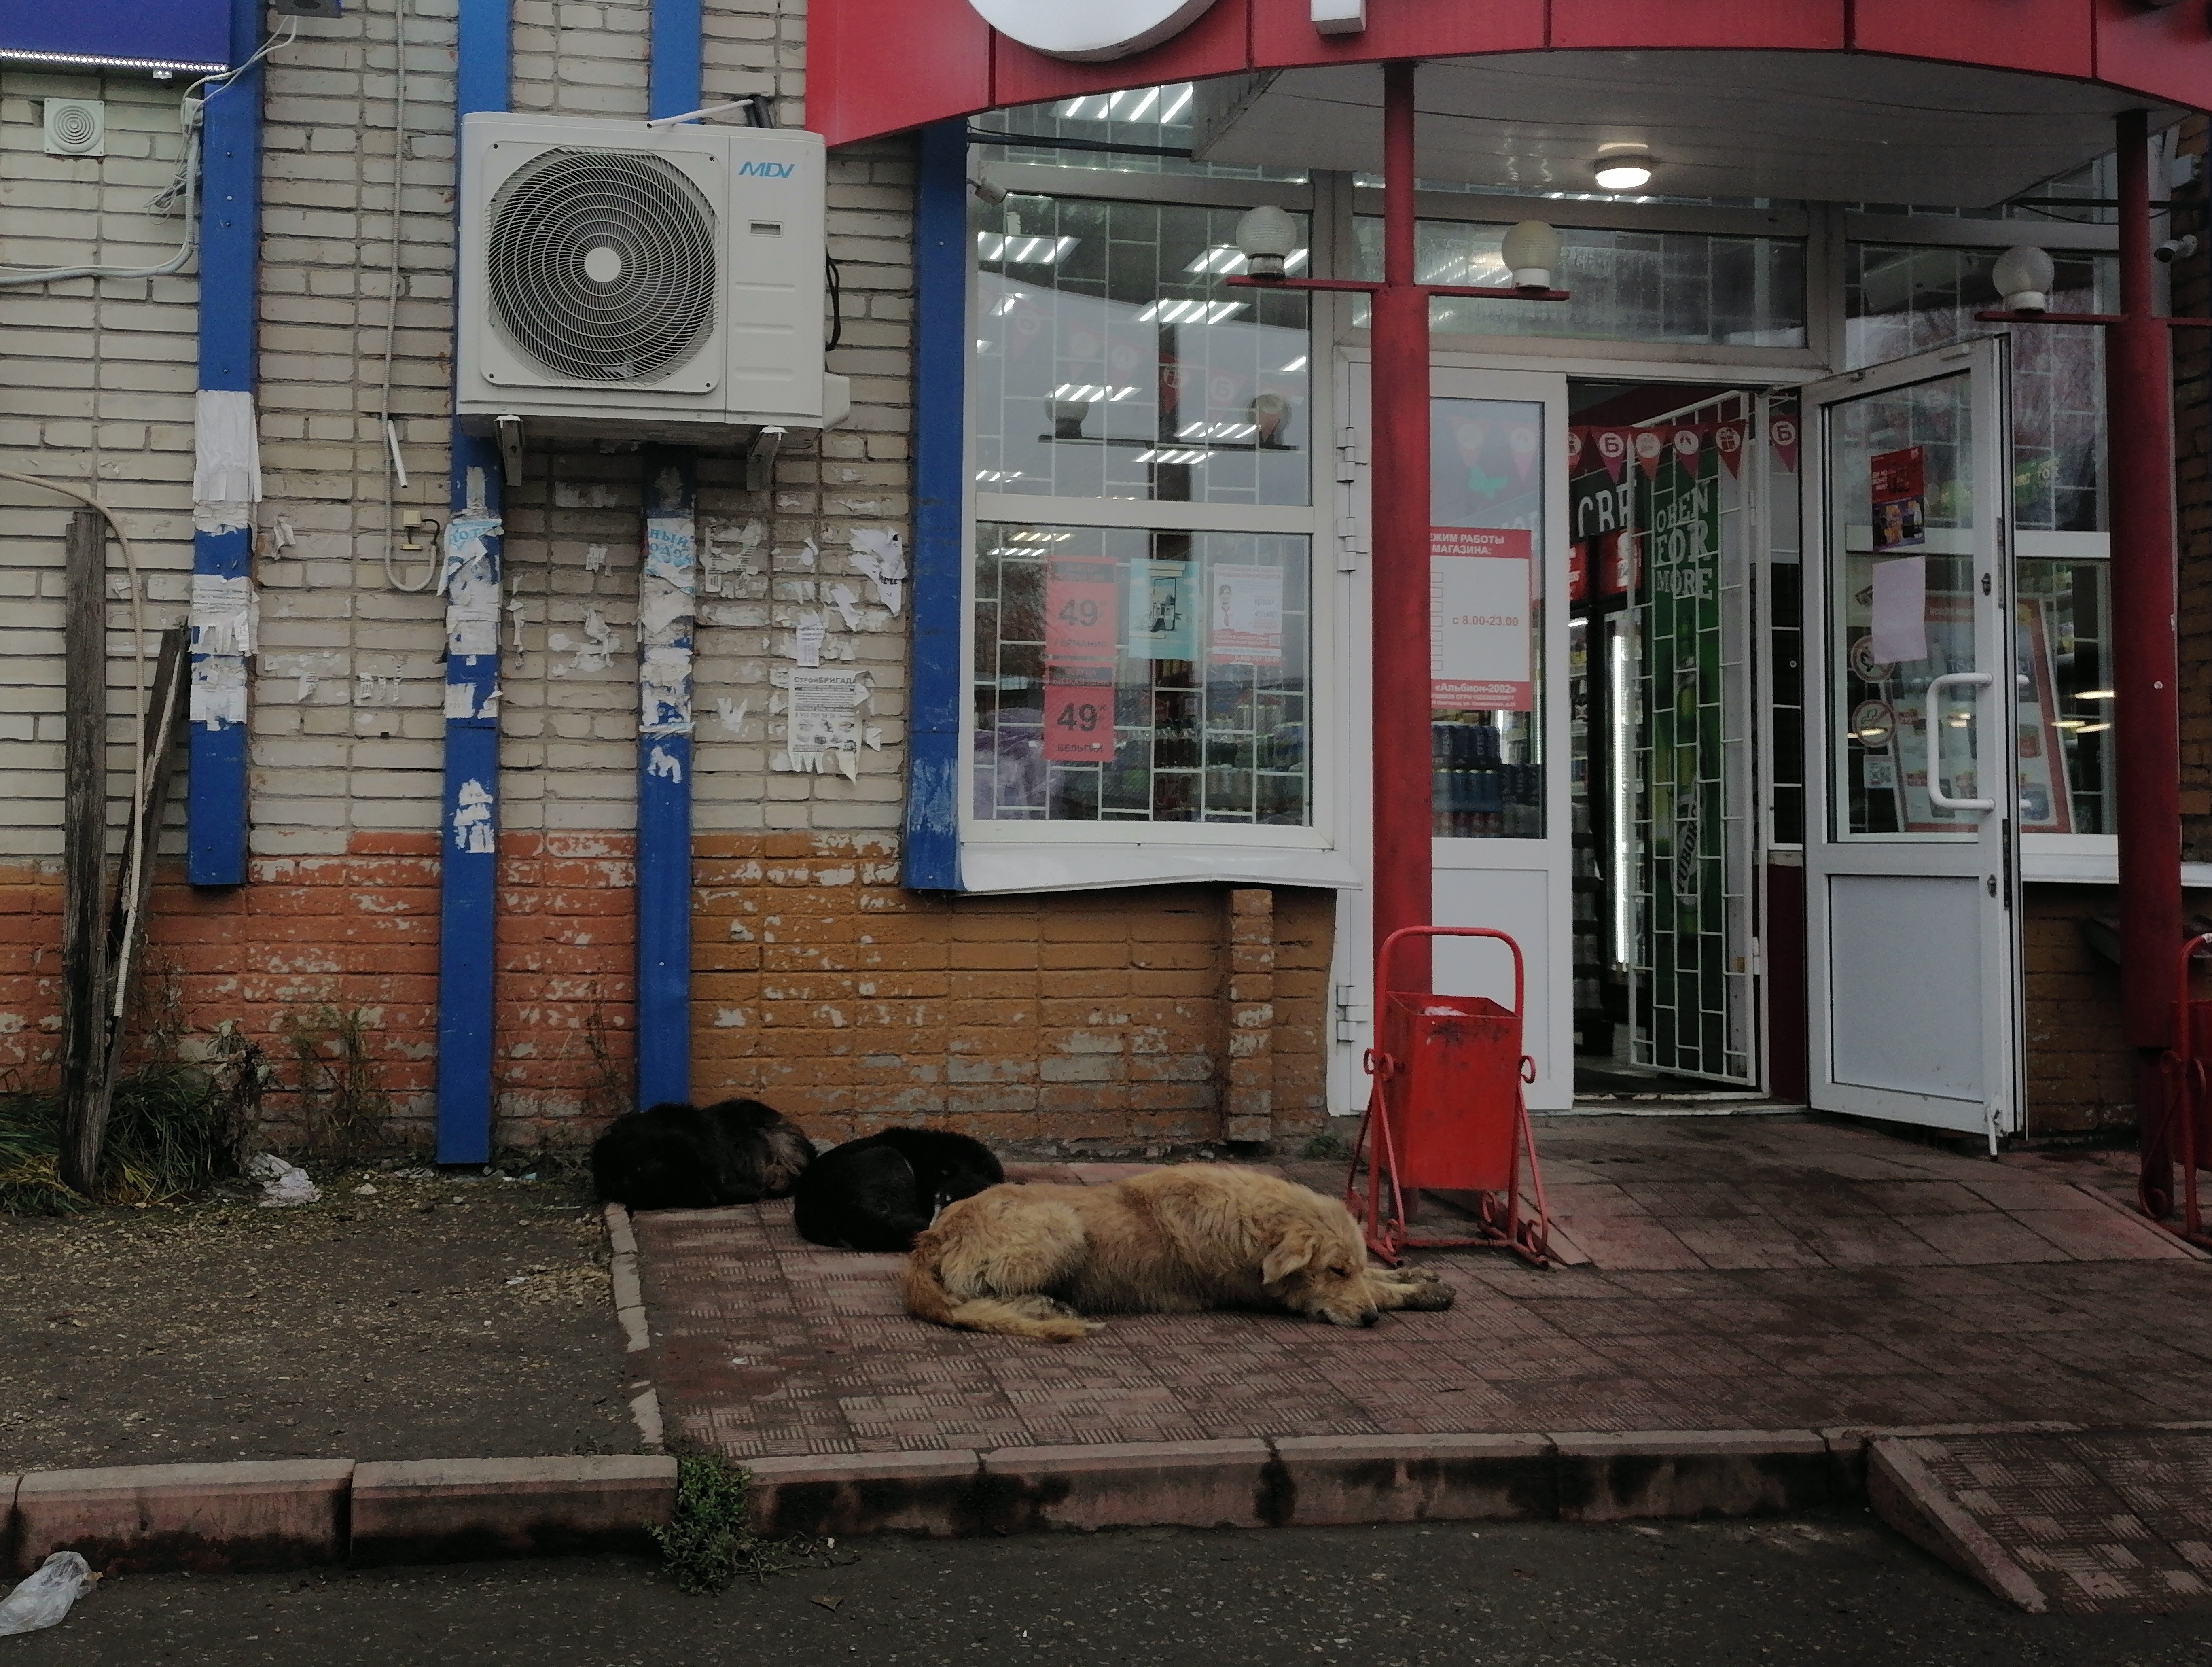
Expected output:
(1001, 866)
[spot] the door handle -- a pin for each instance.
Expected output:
(1937, 796)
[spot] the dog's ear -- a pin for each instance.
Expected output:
(1291, 1252)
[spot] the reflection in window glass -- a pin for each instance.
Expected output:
(1126, 676)
(1112, 360)
(1626, 286)
(2062, 614)
(1901, 299)
(1901, 518)
(1153, 118)
(1487, 476)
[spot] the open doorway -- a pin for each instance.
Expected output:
(1662, 787)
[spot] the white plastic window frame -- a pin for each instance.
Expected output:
(1026, 855)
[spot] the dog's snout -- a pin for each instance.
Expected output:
(1369, 1317)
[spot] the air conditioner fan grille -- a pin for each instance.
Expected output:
(601, 264)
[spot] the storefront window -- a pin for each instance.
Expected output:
(1125, 676)
(1486, 516)
(1902, 300)
(1114, 361)
(1626, 286)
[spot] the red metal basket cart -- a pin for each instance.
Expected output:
(2188, 1110)
(1447, 1114)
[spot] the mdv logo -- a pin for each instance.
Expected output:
(1090, 30)
(768, 170)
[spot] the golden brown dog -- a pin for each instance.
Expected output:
(1031, 1260)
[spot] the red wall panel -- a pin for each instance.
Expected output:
(2050, 37)
(1810, 25)
(1282, 32)
(880, 66)
(2167, 53)
(1217, 44)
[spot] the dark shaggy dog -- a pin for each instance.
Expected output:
(876, 1194)
(677, 1156)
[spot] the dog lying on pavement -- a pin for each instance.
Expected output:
(1033, 1261)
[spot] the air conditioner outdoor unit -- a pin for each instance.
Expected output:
(636, 282)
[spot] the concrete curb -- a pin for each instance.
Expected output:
(637, 1331)
(263, 1515)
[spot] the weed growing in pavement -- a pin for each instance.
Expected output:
(711, 1539)
(1323, 1146)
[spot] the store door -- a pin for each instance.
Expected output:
(1498, 729)
(1912, 823)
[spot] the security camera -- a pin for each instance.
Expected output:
(2175, 247)
(988, 191)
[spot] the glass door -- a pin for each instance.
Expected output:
(1499, 718)
(1913, 832)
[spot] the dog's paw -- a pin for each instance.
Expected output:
(1408, 1276)
(1425, 1299)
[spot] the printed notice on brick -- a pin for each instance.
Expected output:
(1481, 650)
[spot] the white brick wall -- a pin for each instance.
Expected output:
(347, 698)
(96, 379)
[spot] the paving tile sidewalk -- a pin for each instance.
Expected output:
(1744, 1274)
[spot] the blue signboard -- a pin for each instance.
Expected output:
(151, 34)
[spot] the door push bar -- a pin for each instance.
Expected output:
(1937, 796)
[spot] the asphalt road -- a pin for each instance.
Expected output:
(1829, 1589)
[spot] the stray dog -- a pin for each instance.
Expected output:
(1031, 1260)
(876, 1193)
(677, 1157)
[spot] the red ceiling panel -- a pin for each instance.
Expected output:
(2166, 52)
(2050, 37)
(878, 66)
(1282, 33)
(1810, 25)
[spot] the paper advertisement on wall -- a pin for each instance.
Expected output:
(1162, 611)
(1898, 482)
(1244, 615)
(1481, 586)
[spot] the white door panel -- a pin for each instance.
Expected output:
(1911, 872)
(1531, 905)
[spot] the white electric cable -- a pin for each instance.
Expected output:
(396, 476)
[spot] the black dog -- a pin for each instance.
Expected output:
(876, 1193)
(678, 1157)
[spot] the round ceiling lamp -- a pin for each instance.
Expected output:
(1622, 168)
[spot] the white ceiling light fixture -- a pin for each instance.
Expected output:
(1622, 168)
(2023, 277)
(1266, 236)
(1531, 252)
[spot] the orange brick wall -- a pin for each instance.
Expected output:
(1090, 1018)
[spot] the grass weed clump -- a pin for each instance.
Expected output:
(172, 1131)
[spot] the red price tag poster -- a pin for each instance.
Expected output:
(1078, 722)
(1079, 616)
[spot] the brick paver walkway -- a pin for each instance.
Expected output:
(1744, 1273)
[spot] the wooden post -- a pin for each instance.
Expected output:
(84, 852)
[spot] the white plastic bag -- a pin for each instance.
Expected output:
(282, 1184)
(45, 1598)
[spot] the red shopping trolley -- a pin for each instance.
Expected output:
(1447, 1114)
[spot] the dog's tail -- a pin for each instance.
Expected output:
(926, 1299)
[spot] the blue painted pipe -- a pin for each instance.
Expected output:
(940, 482)
(230, 232)
(664, 777)
(664, 737)
(468, 874)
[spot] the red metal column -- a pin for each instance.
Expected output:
(2146, 719)
(1399, 388)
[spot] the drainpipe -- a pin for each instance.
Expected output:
(223, 536)
(931, 856)
(667, 601)
(2147, 714)
(469, 577)
(1399, 393)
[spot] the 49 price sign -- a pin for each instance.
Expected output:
(1079, 613)
(1078, 722)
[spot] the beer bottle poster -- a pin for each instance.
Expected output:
(1687, 921)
